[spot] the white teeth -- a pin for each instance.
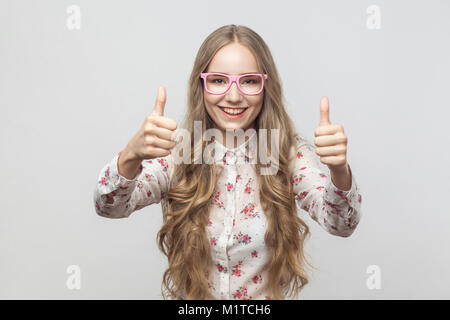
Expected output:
(233, 111)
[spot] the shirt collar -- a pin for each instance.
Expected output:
(247, 149)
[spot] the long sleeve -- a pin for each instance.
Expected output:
(117, 197)
(337, 211)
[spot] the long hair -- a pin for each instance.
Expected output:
(183, 237)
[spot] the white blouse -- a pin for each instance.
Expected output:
(237, 224)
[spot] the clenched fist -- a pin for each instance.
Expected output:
(330, 140)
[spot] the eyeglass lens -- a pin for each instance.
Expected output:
(249, 84)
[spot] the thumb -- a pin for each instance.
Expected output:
(158, 110)
(324, 112)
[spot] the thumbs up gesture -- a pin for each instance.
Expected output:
(330, 140)
(156, 137)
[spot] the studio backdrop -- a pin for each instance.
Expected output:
(78, 78)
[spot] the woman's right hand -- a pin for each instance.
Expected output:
(156, 137)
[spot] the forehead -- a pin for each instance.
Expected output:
(233, 59)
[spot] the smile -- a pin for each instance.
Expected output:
(233, 112)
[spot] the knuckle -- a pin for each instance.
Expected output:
(149, 139)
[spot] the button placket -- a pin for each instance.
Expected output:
(232, 205)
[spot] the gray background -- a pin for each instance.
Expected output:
(71, 99)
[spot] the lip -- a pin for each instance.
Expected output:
(233, 116)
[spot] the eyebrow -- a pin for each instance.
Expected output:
(238, 74)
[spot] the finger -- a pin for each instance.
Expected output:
(331, 150)
(164, 122)
(334, 161)
(156, 142)
(164, 133)
(325, 141)
(328, 130)
(324, 112)
(158, 152)
(158, 110)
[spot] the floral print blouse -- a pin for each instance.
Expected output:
(237, 224)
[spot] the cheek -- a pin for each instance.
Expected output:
(211, 100)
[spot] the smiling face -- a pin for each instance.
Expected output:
(233, 59)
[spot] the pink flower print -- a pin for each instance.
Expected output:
(163, 163)
(257, 279)
(209, 223)
(334, 206)
(124, 188)
(149, 194)
(320, 187)
(297, 178)
(301, 196)
(249, 211)
(148, 176)
(236, 269)
(242, 294)
(213, 241)
(139, 185)
(107, 173)
(303, 168)
(299, 155)
(323, 175)
(340, 194)
(248, 189)
(221, 268)
(103, 182)
(238, 177)
(229, 186)
(254, 254)
(243, 238)
(227, 154)
(359, 198)
(215, 198)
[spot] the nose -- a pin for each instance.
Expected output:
(234, 94)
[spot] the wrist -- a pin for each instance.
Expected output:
(127, 155)
(340, 169)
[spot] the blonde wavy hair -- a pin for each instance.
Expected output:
(183, 237)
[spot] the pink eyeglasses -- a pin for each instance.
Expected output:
(219, 83)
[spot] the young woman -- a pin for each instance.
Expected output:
(231, 232)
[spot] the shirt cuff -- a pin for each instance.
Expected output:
(337, 196)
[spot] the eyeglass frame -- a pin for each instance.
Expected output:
(232, 79)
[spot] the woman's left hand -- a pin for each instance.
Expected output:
(330, 140)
